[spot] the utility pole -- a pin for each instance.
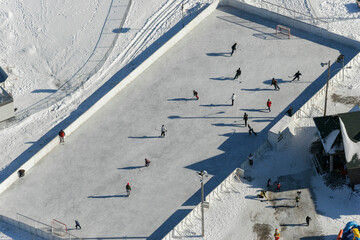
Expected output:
(327, 86)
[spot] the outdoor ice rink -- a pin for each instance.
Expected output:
(85, 178)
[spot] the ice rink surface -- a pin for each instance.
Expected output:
(85, 178)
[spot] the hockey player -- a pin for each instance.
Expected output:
(196, 94)
(163, 131)
(297, 200)
(297, 76)
(275, 83)
(308, 219)
(233, 48)
(251, 130)
(238, 73)
(128, 189)
(232, 99)
(147, 162)
(77, 224)
(245, 118)
(268, 104)
(62, 136)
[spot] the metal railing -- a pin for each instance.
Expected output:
(308, 18)
(71, 85)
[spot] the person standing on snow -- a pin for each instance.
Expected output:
(128, 189)
(297, 200)
(147, 162)
(196, 94)
(297, 76)
(77, 224)
(163, 131)
(238, 73)
(62, 136)
(245, 118)
(251, 130)
(308, 219)
(268, 104)
(275, 83)
(233, 48)
(290, 111)
(232, 99)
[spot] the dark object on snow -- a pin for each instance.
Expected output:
(77, 224)
(21, 173)
(251, 130)
(147, 162)
(245, 118)
(308, 219)
(290, 111)
(340, 58)
(297, 76)
(233, 48)
(62, 136)
(238, 73)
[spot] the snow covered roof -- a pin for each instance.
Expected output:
(4, 97)
(348, 124)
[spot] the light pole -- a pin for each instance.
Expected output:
(201, 176)
(327, 84)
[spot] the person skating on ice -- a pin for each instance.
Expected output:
(237, 74)
(268, 104)
(232, 99)
(297, 76)
(163, 131)
(147, 162)
(233, 48)
(196, 94)
(77, 224)
(251, 130)
(275, 84)
(245, 118)
(128, 189)
(62, 136)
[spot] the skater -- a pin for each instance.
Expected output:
(147, 162)
(163, 131)
(245, 118)
(238, 73)
(269, 183)
(297, 76)
(77, 224)
(128, 189)
(263, 194)
(196, 94)
(232, 99)
(278, 185)
(251, 159)
(233, 48)
(290, 111)
(277, 234)
(274, 82)
(251, 130)
(308, 219)
(299, 193)
(268, 104)
(297, 200)
(62, 136)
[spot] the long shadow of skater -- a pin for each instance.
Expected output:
(182, 99)
(223, 54)
(280, 206)
(109, 196)
(222, 78)
(279, 80)
(131, 168)
(254, 110)
(215, 105)
(293, 225)
(257, 89)
(143, 137)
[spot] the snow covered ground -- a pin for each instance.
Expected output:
(22, 38)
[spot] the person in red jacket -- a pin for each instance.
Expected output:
(268, 104)
(128, 189)
(62, 136)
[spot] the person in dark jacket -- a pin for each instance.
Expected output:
(308, 219)
(251, 130)
(237, 74)
(77, 224)
(233, 48)
(245, 118)
(297, 76)
(128, 189)
(147, 162)
(275, 83)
